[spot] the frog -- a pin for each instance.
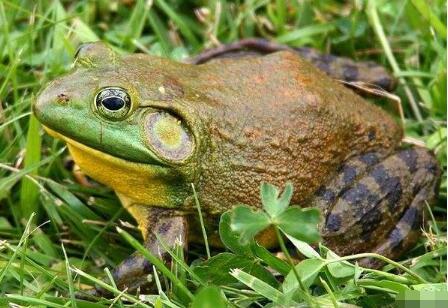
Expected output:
(152, 129)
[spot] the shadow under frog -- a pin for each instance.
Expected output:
(149, 127)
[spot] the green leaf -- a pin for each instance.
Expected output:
(308, 270)
(272, 204)
(248, 223)
(305, 32)
(230, 238)
(383, 285)
(300, 223)
(83, 32)
(277, 264)
(269, 194)
(209, 297)
(304, 248)
(339, 269)
(216, 269)
(430, 287)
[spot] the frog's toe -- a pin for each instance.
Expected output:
(132, 274)
(376, 203)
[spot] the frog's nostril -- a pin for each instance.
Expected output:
(62, 98)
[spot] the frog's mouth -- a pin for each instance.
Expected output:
(99, 165)
(89, 151)
(146, 183)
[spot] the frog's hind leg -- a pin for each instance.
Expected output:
(376, 203)
(156, 224)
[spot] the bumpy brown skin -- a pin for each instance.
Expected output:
(277, 124)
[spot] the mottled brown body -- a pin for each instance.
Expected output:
(276, 125)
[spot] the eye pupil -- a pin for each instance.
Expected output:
(113, 103)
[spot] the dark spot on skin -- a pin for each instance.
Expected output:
(370, 222)
(380, 175)
(432, 168)
(373, 198)
(371, 135)
(390, 186)
(350, 72)
(147, 266)
(328, 58)
(369, 159)
(323, 66)
(333, 223)
(349, 174)
(395, 239)
(412, 218)
(356, 195)
(361, 198)
(409, 157)
(384, 82)
(395, 193)
(164, 227)
(326, 194)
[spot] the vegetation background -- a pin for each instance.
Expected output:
(45, 259)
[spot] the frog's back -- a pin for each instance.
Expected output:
(277, 118)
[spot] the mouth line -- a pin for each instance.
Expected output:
(97, 153)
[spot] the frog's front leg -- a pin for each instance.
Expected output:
(156, 224)
(376, 203)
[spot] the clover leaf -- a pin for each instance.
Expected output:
(293, 221)
(248, 223)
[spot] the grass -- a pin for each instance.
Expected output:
(45, 258)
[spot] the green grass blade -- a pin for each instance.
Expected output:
(29, 191)
(261, 287)
(427, 13)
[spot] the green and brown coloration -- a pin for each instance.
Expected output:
(226, 126)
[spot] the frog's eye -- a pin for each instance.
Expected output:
(113, 103)
(168, 137)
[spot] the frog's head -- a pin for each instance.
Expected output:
(125, 124)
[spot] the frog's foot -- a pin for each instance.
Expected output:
(132, 274)
(376, 204)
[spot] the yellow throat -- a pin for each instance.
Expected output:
(139, 183)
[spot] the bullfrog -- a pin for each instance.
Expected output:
(150, 127)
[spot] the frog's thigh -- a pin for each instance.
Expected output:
(376, 204)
